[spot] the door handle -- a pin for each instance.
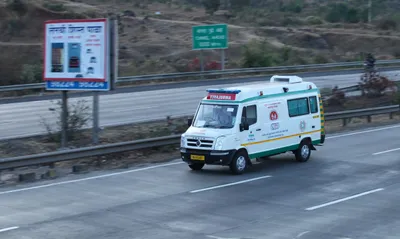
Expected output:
(258, 129)
(313, 126)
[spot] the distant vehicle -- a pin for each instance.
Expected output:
(74, 62)
(238, 126)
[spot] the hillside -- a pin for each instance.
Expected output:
(275, 32)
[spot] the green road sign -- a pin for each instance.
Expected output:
(210, 37)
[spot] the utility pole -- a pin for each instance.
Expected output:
(369, 11)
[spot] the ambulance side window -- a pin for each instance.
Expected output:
(250, 113)
(313, 104)
(298, 107)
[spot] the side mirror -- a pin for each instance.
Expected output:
(190, 121)
(244, 125)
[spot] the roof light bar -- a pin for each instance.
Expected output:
(222, 91)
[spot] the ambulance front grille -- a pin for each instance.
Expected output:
(200, 143)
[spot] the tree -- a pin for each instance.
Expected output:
(211, 6)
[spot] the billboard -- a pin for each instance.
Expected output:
(76, 54)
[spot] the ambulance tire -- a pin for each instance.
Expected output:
(303, 153)
(239, 163)
(196, 166)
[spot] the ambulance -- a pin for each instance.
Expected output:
(239, 126)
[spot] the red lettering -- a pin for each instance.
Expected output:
(214, 96)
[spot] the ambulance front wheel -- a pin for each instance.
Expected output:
(238, 163)
(196, 166)
(303, 153)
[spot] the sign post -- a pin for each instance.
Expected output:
(77, 58)
(211, 37)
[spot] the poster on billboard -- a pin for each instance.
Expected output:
(76, 54)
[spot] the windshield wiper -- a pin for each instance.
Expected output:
(224, 127)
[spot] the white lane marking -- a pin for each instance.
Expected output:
(90, 178)
(215, 237)
(363, 132)
(302, 234)
(344, 199)
(387, 151)
(229, 184)
(8, 229)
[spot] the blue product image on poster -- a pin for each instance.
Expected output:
(74, 57)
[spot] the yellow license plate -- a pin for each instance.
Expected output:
(197, 157)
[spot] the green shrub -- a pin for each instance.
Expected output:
(320, 59)
(313, 20)
(13, 26)
(340, 12)
(31, 74)
(57, 7)
(293, 6)
(257, 54)
(387, 24)
(211, 6)
(18, 6)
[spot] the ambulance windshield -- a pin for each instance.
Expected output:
(216, 116)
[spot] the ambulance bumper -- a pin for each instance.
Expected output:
(191, 156)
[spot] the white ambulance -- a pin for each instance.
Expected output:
(238, 126)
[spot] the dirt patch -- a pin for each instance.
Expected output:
(161, 42)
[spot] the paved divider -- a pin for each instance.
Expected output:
(85, 152)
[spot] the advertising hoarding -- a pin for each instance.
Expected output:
(76, 54)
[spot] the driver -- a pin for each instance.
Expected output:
(224, 117)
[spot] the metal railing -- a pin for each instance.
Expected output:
(215, 73)
(85, 152)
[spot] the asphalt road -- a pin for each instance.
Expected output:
(24, 118)
(348, 189)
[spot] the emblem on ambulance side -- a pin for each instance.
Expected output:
(302, 125)
(274, 126)
(273, 115)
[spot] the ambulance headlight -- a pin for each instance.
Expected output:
(219, 143)
(183, 141)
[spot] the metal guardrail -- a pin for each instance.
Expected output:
(213, 73)
(251, 70)
(71, 154)
(85, 152)
(362, 112)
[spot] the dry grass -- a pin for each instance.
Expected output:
(162, 43)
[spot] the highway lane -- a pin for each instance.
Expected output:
(151, 87)
(24, 118)
(346, 190)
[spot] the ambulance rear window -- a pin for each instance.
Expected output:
(298, 107)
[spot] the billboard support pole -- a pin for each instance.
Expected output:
(64, 118)
(222, 59)
(95, 129)
(201, 61)
(113, 52)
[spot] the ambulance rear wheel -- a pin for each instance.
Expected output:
(303, 153)
(239, 163)
(196, 166)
